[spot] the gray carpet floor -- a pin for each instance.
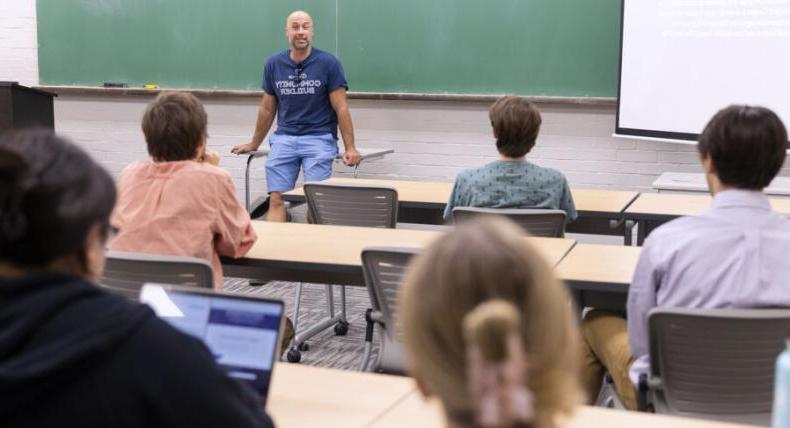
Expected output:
(326, 349)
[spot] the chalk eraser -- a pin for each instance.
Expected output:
(115, 85)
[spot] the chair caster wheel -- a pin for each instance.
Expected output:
(294, 356)
(304, 346)
(341, 328)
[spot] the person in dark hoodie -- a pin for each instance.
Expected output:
(70, 353)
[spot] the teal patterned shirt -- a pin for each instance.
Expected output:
(511, 184)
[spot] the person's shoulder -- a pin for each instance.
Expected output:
(212, 174)
(199, 177)
(211, 170)
(324, 56)
(275, 57)
(136, 166)
(320, 53)
(678, 234)
(545, 172)
(133, 172)
(474, 173)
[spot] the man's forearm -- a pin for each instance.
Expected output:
(346, 128)
(262, 125)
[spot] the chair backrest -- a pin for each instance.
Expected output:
(352, 205)
(538, 222)
(716, 363)
(383, 269)
(126, 273)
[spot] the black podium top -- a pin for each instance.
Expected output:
(19, 87)
(22, 107)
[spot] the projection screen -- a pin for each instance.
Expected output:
(683, 60)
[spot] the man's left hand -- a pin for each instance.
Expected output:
(351, 157)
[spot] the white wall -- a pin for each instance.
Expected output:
(18, 42)
(432, 140)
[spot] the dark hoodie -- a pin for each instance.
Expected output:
(72, 354)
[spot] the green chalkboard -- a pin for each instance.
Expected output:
(530, 47)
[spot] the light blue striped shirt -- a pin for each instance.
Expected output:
(734, 255)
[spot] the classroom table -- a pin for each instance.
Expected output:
(599, 275)
(416, 411)
(367, 153)
(304, 396)
(600, 211)
(651, 210)
(332, 254)
(692, 182)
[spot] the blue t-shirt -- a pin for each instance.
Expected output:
(302, 92)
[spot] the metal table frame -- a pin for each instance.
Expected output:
(593, 222)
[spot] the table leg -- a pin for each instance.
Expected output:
(356, 167)
(247, 183)
(628, 234)
(641, 232)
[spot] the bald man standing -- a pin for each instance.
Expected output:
(306, 88)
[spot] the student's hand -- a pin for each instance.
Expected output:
(211, 157)
(351, 157)
(244, 148)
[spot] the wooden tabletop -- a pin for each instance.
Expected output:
(604, 264)
(676, 205)
(343, 245)
(437, 193)
(415, 411)
(696, 182)
(304, 396)
(425, 192)
(602, 201)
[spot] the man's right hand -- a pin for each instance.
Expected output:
(244, 148)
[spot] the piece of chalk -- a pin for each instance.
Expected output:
(150, 86)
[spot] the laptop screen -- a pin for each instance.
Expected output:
(240, 331)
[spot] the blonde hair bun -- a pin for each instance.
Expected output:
(489, 325)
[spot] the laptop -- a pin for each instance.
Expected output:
(242, 332)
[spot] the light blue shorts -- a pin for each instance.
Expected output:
(314, 154)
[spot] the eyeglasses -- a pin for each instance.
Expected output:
(109, 231)
(298, 71)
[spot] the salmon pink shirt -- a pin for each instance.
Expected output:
(182, 208)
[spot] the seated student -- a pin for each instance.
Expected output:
(732, 255)
(503, 349)
(179, 202)
(70, 353)
(511, 181)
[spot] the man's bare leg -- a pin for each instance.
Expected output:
(276, 208)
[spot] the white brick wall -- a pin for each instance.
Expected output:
(432, 140)
(18, 42)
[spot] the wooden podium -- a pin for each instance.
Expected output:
(22, 107)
